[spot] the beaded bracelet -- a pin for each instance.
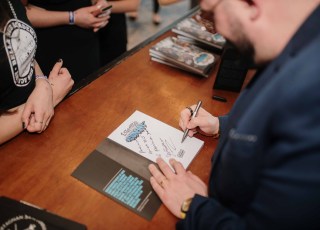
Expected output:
(71, 18)
(42, 77)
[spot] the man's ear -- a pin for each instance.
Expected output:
(254, 9)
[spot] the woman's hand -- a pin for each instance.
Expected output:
(175, 187)
(102, 13)
(61, 82)
(204, 122)
(92, 17)
(38, 109)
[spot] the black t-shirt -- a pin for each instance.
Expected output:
(18, 44)
(61, 5)
(78, 47)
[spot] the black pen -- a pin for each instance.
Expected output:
(219, 98)
(195, 112)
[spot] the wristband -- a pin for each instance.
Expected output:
(185, 208)
(71, 18)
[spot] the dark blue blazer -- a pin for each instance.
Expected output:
(266, 168)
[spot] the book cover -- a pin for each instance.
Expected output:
(19, 215)
(184, 55)
(195, 29)
(121, 175)
(118, 167)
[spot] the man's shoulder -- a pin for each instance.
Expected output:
(306, 63)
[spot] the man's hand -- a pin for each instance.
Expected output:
(174, 187)
(204, 122)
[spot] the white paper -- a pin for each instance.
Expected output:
(152, 138)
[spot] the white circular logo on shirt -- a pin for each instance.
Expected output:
(20, 41)
(23, 222)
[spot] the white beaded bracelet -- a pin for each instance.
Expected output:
(42, 77)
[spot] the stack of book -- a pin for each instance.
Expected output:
(182, 54)
(200, 32)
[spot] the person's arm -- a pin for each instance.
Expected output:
(208, 213)
(40, 17)
(37, 108)
(10, 123)
(124, 6)
(83, 17)
(167, 2)
(29, 115)
(176, 187)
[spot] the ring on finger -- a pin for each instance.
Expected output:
(162, 182)
(191, 111)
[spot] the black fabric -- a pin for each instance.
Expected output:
(265, 173)
(113, 38)
(156, 6)
(12, 95)
(78, 47)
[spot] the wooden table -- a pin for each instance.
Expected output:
(37, 168)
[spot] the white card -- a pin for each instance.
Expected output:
(152, 138)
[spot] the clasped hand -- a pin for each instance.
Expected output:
(92, 16)
(39, 108)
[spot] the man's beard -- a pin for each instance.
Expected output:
(243, 45)
(246, 52)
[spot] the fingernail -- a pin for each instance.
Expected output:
(23, 125)
(60, 60)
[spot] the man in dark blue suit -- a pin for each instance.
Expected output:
(266, 169)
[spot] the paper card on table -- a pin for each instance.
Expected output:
(152, 138)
